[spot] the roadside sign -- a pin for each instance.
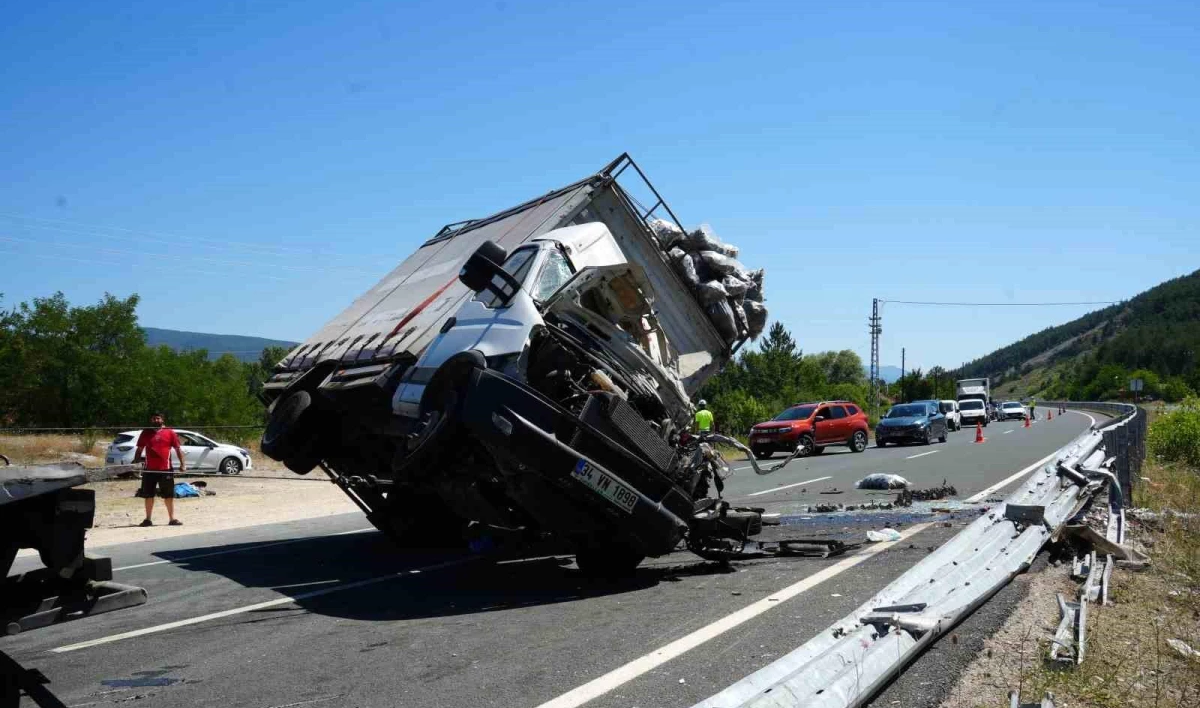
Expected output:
(1136, 384)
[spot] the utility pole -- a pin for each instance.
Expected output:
(903, 383)
(875, 329)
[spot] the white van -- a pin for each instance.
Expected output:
(953, 416)
(972, 411)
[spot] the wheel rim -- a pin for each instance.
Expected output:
(805, 447)
(230, 467)
(860, 442)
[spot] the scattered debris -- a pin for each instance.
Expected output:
(1184, 650)
(825, 508)
(882, 480)
(1014, 700)
(832, 490)
(1069, 638)
(908, 496)
(885, 534)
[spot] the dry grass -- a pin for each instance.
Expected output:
(1128, 661)
(35, 449)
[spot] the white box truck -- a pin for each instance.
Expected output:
(530, 371)
(974, 401)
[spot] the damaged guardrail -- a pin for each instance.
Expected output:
(847, 664)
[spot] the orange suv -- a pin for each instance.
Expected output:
(811, 427)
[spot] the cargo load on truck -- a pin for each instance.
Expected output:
(532, 371)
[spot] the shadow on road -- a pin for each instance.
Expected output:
(484, 585)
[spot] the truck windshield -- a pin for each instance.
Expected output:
(795, 413)
(907, 411)
(973, 404)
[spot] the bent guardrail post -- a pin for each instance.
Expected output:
(848, 663)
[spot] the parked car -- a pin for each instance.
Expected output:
(972, 411)
(811, 427)
(199, 453)
(911, 422)
(949, 408)
(1010, 410)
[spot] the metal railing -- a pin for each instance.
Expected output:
(851, 661)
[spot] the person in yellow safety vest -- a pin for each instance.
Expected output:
(704, 417)
(1033, 409)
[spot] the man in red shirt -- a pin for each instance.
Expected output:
(158, 442)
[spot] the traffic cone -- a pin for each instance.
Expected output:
(979, 433)
(1026, 421)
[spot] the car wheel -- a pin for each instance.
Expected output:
(880, 443)
(943, 436)
(928, 438)
(804, 446)
(858, 441)
(818, 449)
(231, 465)
(762, 454)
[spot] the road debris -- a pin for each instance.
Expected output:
(907, 496)
(885, 534)
(1183, 648)
(881, 480)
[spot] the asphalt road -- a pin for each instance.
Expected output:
(324, 612)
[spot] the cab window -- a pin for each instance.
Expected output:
(824, 413)
(836, 412)
(555, 272)
(518, 265)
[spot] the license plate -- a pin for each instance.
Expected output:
(605, 486)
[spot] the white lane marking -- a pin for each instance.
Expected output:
(1006, 432)
(1009, 480)
(787, 486)
(913, 457)
(258, 606)
(1070, 410)
(236, 550)
(624, 674)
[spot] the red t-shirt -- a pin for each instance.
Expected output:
(158, 443)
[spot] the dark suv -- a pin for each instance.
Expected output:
(811, 427)
(919, 421)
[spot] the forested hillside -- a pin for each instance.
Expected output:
(71, 366)
(1154, 336)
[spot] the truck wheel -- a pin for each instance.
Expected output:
(804, 446)
(608, 561)
(290, 434)
(763, 454)
(858, 441)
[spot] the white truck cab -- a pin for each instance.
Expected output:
(576, 273)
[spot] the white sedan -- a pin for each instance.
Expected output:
(1013, 409)
(199, 453)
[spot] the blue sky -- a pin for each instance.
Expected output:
(251, 168)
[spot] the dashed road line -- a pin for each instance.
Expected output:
(787, 486)
(922, 454)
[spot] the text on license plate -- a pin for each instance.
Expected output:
(605, 486)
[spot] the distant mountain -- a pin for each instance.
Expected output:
(890, 374)
(241, 347)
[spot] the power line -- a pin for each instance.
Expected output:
(999, 304)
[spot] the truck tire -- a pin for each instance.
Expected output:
(291, 433)
(608, 561)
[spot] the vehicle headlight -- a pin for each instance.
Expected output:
(244, 451)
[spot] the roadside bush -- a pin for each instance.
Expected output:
(1175, 436)
(736, 411)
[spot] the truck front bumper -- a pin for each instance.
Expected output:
(569, 493)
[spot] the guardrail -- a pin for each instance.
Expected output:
(851, 661)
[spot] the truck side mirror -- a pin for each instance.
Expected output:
(484, 268)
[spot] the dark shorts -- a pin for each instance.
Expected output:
(164, 482)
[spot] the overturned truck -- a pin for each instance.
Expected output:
(532, 371)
